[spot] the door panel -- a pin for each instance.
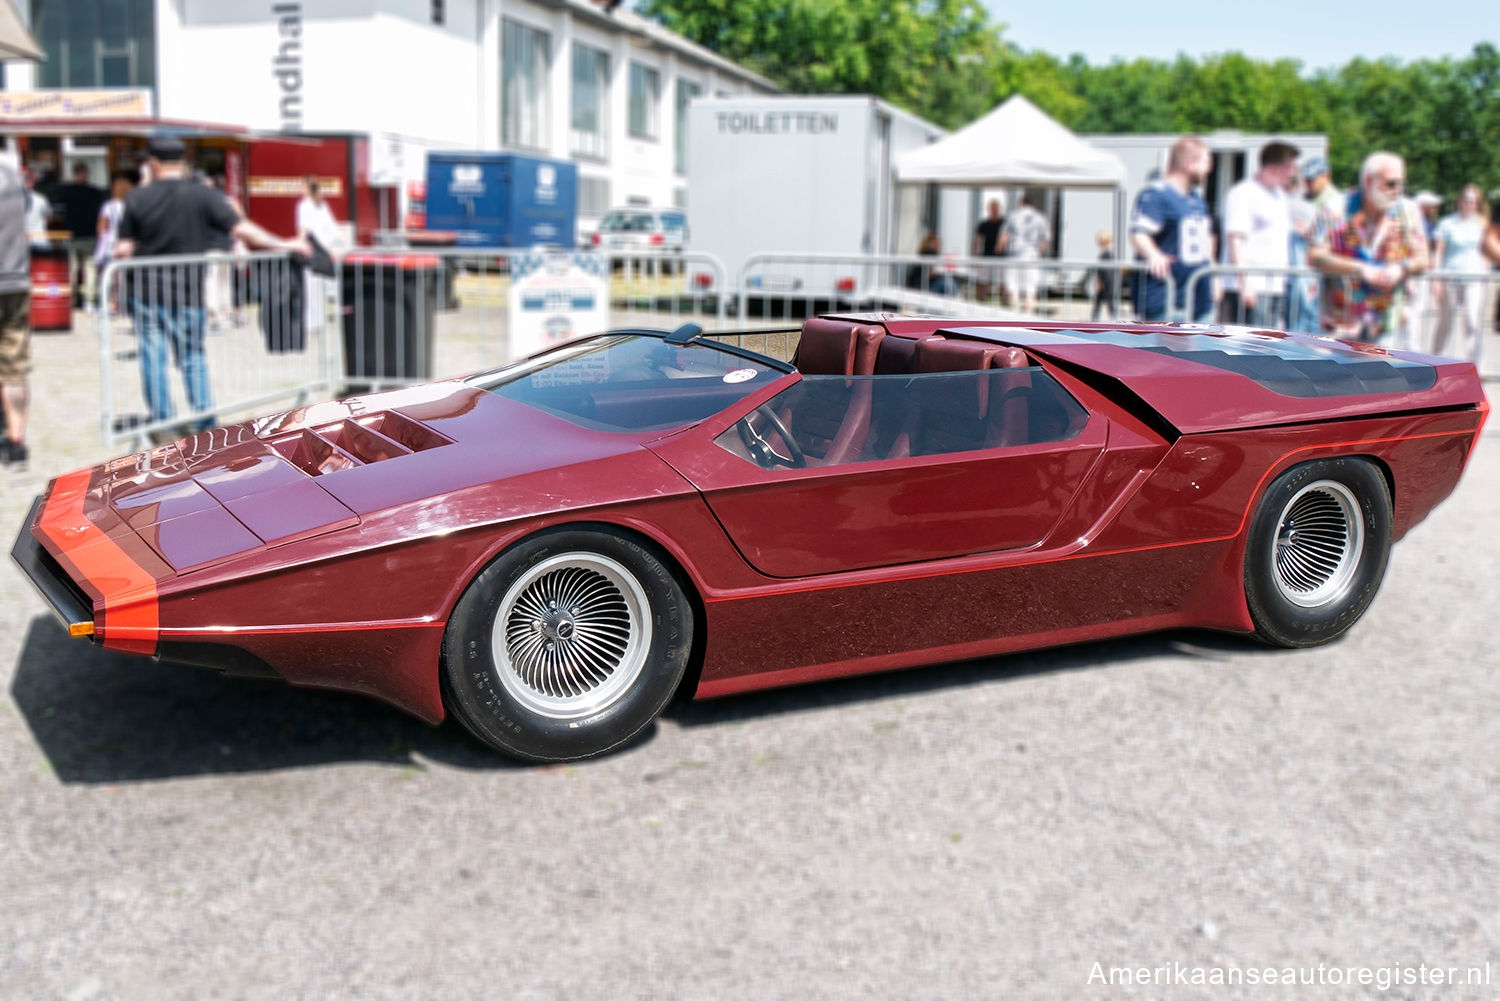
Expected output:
(820, 520)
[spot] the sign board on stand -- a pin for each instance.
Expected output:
(556, 297)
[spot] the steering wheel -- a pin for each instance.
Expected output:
(759, 447)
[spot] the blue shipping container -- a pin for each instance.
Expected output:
(502, 199)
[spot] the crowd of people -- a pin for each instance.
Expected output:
(1390, 269)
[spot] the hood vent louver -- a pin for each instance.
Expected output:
(359, 441)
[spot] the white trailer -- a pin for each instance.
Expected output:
(1082, 214)
(811, 175)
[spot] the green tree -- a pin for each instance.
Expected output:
(1042, 78)
(1134, 96)
(947, 61)
(932, 57)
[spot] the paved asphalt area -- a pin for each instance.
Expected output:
(984, 830)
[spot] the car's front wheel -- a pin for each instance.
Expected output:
(1317, 551)
(567, 645)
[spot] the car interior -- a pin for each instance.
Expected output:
(868, 396)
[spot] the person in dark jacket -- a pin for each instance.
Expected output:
(81, 202)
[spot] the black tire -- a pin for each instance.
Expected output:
(1317, 550)
(567, 645)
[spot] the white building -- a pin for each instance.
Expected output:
(564, 78)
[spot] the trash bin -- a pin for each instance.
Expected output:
(388, 305)
(421, 239)
(51, 287)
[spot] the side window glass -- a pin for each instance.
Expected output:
(837, 420)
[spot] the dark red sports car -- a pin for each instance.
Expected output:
(548, 550)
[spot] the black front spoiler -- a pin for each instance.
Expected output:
(67, 602)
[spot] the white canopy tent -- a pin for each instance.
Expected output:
(1016, 145)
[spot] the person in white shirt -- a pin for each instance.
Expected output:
(1025, 238)
(1459, 301)
(1257, 235)
(38, 211)
(315, 219)
(121, 184)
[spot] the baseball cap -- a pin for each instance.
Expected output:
(1313, 166)
(1425, 197)
(165, 147)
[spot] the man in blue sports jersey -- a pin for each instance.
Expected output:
(1171, 231)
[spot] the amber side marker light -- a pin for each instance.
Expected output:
(80, 629)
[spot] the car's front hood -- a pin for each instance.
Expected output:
(427, 443)
(287, 477)
(210, 496)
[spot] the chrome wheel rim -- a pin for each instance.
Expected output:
(1319, 540)
(570, 636)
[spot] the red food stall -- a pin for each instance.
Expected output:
(262, 171)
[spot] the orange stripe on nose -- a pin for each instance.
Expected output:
(127, 592)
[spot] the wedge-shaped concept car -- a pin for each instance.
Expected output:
(551, 550)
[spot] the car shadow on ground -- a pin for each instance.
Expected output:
(103, 717)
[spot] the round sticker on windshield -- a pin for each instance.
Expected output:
(740, 375)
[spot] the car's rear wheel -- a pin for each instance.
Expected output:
(1317, 551)
(567, 645)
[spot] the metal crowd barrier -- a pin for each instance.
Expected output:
(412, 315)
(667, 289)
(777, 289)
(192, 341)
(186, 341)
(1440, 313)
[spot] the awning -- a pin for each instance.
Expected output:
(141, 127)
(15, 41)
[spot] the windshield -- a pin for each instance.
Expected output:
(626, 222)
(633, 382)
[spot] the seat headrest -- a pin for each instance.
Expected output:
(838, 347)
(969, 396)
(940, 354)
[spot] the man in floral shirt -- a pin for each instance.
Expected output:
(1370, 254)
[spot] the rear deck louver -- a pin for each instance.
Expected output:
(357, 441)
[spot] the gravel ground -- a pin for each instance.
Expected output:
(986, 830)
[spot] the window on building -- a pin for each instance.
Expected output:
(96, 43)
(593, 196)
(645, 102)
(437, 11)
(590, 132)
(524, 106)
(686, 91)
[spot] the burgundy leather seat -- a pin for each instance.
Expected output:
(961, 415)
(897, 355)
(838, 347)
(832, 421)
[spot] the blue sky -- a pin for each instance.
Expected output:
(1318, 32)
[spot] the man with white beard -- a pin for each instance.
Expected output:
(1371, 254)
